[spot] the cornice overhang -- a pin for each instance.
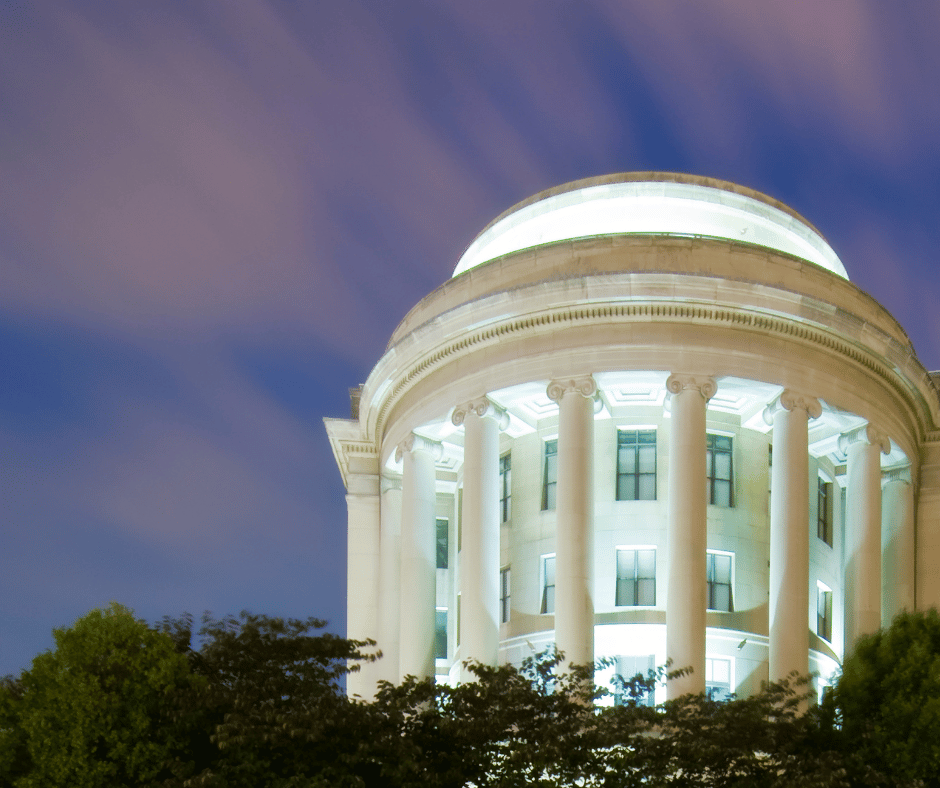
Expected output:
(354, 454)
(559, 305)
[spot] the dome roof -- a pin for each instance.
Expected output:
(651, 203)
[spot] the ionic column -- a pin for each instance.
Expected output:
(789, 533)
(390, 579)
(418, 557)
(897, 544)
(362, 504)
(479, 554)
(574, 519)
(686, 531)
(863, 531)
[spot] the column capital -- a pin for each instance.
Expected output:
(792, 400)
(417, 443)
(483, 407)
(897, 473)
(586, 386)
(389, 483)
(678, 382)
(867, 434)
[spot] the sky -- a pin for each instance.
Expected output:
(213, 215)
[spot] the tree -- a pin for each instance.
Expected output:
(92, 712)
(887, 699)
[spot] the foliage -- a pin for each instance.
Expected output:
(887, 700)
(93, 711)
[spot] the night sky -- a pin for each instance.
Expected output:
(213, 215)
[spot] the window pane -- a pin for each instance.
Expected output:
(646, 592)
(647, 436)
(625, 563)
(647, 459)
(647, 487)
(626, 459)
(440, 634)
(442, 543)
(549, 600)
(722, 493)
(550, 571)
(624, 594)
(722, 466)
(721, 597)
(550, 497)
(722, 568)
(626, 488)
(646, 563)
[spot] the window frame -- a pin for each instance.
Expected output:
(633, 478)
(549, 485)
(711, 438)
(712, 584)
(824, 621)
(505, 594)
(824, 518)
(636, 579)
(505, 487)
(543, 582)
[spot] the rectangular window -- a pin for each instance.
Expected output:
(550, 476)
(718, 678)
(504, 598)
(505, 488)
(440, 633)
(824, 521)
(719, 573)
(718, 470)
(636, 577)
(823, 612)
(548, 584)
(442, 543)
(636, 465)
(628, 668)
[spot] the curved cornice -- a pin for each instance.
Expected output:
(404, 367)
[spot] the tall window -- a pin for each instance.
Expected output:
(505, 488)
(548, 584)
(636, 465)
(442, 543)
(504, 598)
(823, 612)
(824, 521)
(718, 678)
(718, 571)
(636, 577)
(718, 469)
(440, 633)
(550, 476)
(628, 668)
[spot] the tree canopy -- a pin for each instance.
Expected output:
(258, 701)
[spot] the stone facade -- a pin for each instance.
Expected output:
(648, 418)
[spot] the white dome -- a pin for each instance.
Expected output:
(651, 203)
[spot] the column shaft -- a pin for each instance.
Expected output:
(574, 528)
(897, 519)
(789, 545)
(362, 585)
(418, 566)
(686, 538)
(390, 584)
(479, 555)
(863, 541)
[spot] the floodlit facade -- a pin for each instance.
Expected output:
(648, 418)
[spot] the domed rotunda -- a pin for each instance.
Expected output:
(648, 418)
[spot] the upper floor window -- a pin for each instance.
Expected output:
(504, 598)
(823, 612)
(824, 512)
(718, 469)
(636, 465)
(548, 584)
(442, 543)
(719, 574)
(550, 475)
(505, 488)
(636, 577)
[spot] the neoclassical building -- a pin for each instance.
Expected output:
(649, 417)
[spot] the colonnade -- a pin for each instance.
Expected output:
(405, 563)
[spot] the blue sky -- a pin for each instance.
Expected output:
(212, 216)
